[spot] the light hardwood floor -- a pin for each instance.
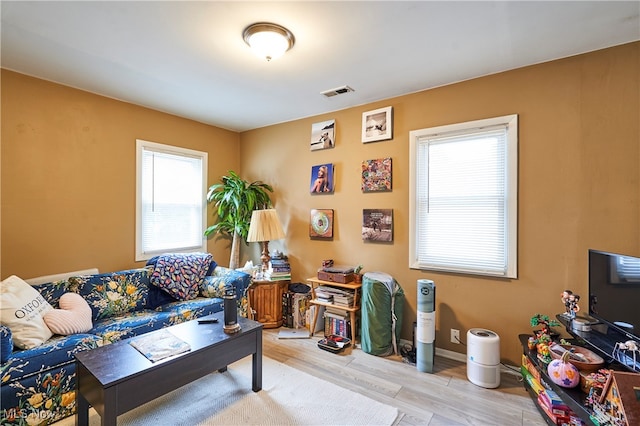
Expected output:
(444, 397)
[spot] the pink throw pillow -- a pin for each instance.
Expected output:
(74, 315)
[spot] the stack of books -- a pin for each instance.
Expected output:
(279, 269)
(324, 295)
(294, 309)
(311, 312)
(337, 323)
(337, 296)
(345, 299)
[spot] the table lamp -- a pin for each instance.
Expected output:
(264, 227)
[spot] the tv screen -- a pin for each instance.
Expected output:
(614, 291)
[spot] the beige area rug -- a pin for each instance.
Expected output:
(288, 397)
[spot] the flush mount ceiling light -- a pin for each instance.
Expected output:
(268, 40)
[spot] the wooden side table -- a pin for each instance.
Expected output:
(315, 282)
(265, 301)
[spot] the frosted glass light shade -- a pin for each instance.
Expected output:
(268, 40)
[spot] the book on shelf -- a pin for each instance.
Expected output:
(279, 268)
(287, 318)
(294, 308)
(336, 310)
(336, 324)
(346, 301)
(324, 296)
(277, 265)
(277, 277)
(311, 311)
(337, 296)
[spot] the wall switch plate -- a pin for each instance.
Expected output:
(455, 336)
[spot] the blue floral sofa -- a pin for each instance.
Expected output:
(38, 384)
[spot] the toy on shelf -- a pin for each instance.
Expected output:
(621, 349)
(542, 337)
(563, 373)
(570, 301)
(545, 322)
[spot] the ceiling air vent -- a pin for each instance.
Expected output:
(337, 91)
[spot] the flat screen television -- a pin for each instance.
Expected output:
(614, 291)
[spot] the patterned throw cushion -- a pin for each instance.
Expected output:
(212, 266)
(114, 293)
(74, 316)
(21, 309)
(180, 274)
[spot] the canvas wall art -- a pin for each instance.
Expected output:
(377, 125)
(321, 223)
(323, 135)
(377, 225)
(376, 175)
(322, 179)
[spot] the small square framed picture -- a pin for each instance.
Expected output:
(376, 175)
(323, 135)
(322, 179)
(377, 225)
(321, 223)
(377, 125)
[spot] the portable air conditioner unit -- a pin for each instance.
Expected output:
(483, 358)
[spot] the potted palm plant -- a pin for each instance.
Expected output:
(234, 199)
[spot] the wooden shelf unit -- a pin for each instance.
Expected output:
(356, 287)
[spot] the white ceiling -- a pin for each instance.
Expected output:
(189, 58)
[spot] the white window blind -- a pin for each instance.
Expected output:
(171, 200)
(628, 269)
(464, 198)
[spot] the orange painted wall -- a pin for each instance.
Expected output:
(579, 186)
(68, 175)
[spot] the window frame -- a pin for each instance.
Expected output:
(511, 202)
(141, 146)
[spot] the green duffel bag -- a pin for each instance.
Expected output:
(382, 306)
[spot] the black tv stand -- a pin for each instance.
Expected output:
(574, 398)
(602, 339)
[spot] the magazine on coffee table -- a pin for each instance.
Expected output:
(159, 345)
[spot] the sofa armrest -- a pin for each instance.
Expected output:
(6, 343)
(216, 284)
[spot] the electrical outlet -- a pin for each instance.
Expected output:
(455, 336)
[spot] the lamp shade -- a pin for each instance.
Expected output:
(268, 40)
(265, 226)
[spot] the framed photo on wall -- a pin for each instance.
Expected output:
(377, 125)
(322, 179)
(377, 225)
(323, 135)
(321, 223)
(376, 175)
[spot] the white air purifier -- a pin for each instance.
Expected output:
(483, 358)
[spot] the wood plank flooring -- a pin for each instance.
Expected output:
(444, 397)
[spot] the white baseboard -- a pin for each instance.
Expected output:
(456, 356)
(462, 357)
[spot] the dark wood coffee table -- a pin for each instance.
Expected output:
(116, 378)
